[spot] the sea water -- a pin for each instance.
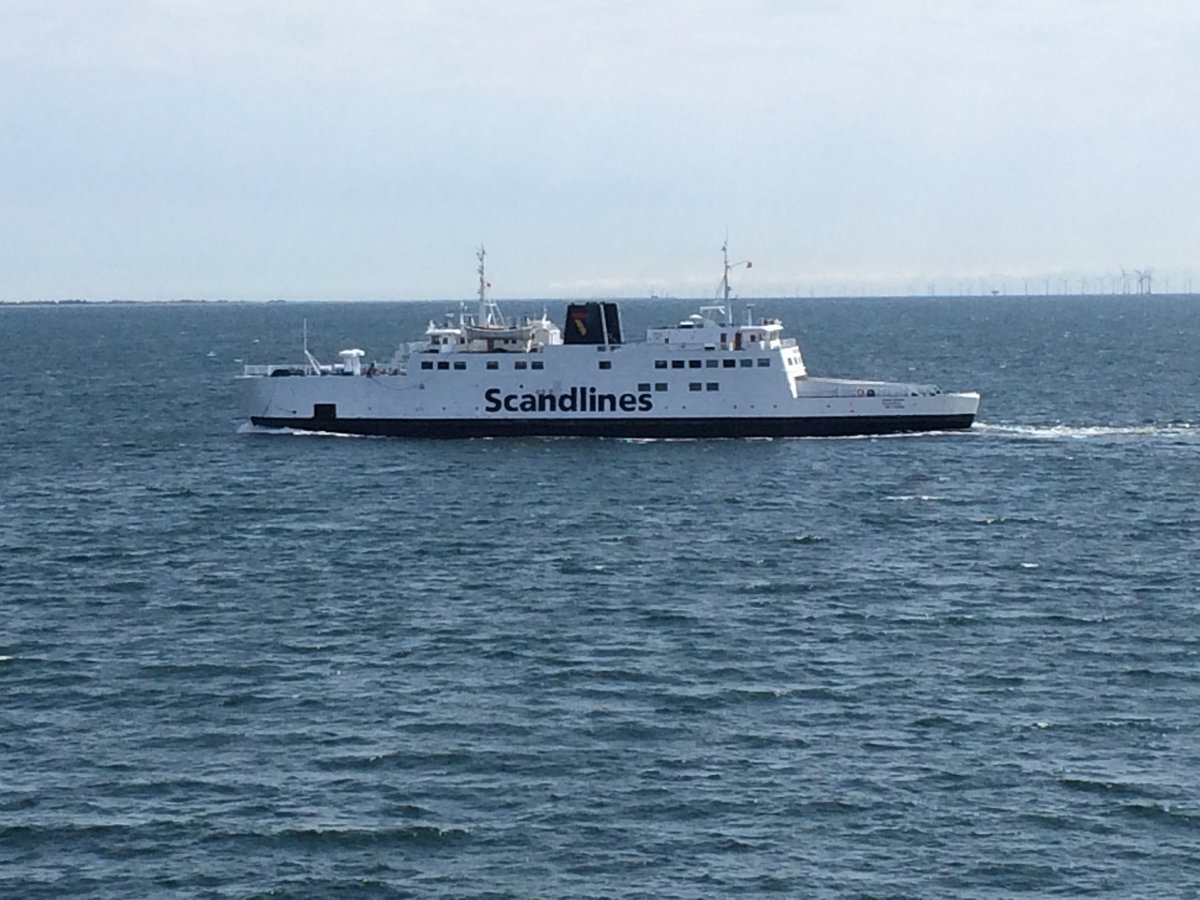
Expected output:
(947, 665)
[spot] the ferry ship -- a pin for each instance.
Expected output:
(480, 375)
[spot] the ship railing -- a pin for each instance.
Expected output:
(399, 363)
(839, 387)
(264, 371)
(256, 371)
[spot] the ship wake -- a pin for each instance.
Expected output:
(1184, 431)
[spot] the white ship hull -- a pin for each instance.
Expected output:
(570, 396)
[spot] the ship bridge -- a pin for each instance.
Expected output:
(703, 332)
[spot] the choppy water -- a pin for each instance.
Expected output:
(947, 665)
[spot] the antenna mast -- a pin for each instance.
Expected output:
(489, 313)
(308, 357)
(725, 287)
(483, 310)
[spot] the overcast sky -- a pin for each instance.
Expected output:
(257, 149)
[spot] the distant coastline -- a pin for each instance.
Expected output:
(78, 302)
(649, 299)
(119, 303)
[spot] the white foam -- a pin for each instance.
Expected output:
(1086, 432)
(251, 428)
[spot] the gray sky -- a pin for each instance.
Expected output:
(159, 149)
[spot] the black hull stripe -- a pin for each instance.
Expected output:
(830, 426)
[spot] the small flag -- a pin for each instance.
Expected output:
(749, 265)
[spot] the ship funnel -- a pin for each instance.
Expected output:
(592, 323)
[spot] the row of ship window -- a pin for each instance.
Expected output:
(762, 362)
(491, 364)
(644, 386)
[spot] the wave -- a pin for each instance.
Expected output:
(1161, 812)
(313, 837)
(298, 837)
(1103, 787)
(1185, 430)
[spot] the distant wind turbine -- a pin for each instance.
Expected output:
(1145, 279)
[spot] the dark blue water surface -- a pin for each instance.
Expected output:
(957, 665)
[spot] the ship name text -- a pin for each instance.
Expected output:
(577, 399)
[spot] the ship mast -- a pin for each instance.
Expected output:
(726, 290)
(481, 317)
(489, 313)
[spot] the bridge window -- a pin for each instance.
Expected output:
(643, 386)
(729, 363)
(712, 386)
(443, 365)
(693, 363)
(660, 385)
(519, 364)
(426, 364)
(606, 363)
(660, 364)
(460, 365)
(492, 364)
(712, 363)
(694, 386)
(747, 363)
(677, 364)
(764, 362)
(537, 364)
